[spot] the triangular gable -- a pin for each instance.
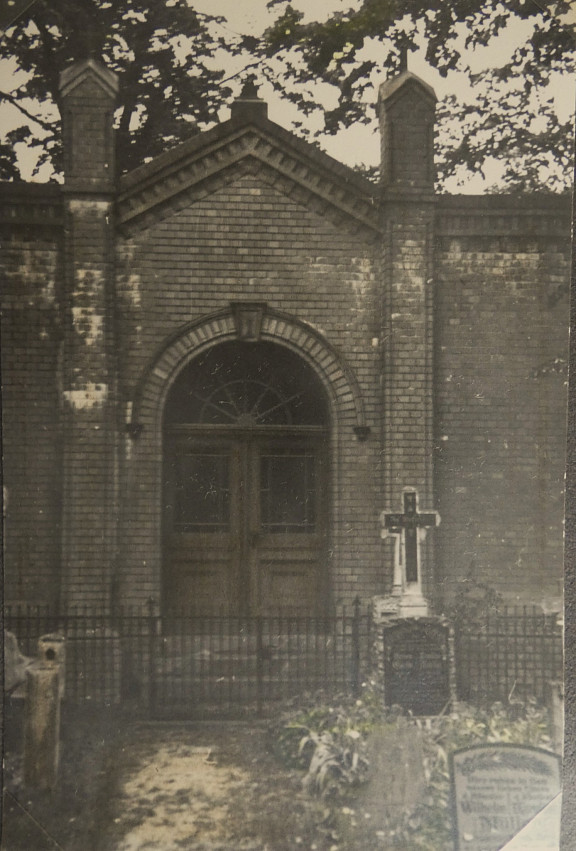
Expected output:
(205, 163)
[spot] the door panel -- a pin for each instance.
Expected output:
(287, 491)
(202, 522)
(245, 524)
(288, 517)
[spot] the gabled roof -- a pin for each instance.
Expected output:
(89, 69)
(248, 143)
(403, 83)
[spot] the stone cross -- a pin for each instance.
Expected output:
(407, 524)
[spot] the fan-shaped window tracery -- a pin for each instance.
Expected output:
(247, 385)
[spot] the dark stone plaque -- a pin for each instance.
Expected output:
(497, 789)
(416, 666)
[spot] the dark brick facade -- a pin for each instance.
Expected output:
(427, 319)
(501, 408)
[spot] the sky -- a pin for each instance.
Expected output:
(361, 144)
(358, 144)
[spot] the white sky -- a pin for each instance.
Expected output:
(360, 144)
(357, 144)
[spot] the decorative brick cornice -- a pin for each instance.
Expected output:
(31, 204)
(199, 167)
(528, 215)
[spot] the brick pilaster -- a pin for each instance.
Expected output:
(88, 376)
(406, 107)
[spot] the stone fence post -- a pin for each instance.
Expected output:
(555, 704)
(44, 689)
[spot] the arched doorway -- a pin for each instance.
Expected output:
(245, 492)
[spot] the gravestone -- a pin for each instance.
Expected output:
(497, 789)
(417, 665)
(396, 751)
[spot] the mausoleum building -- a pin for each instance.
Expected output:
(244, 377)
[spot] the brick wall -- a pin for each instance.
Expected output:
(498, 423)
(30, 413)
(407, 329)
(88, 410)
(499, 420)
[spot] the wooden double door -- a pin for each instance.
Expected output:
(245, 517)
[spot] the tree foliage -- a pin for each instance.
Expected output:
(162, 50)
(172, 84)
(510, 114)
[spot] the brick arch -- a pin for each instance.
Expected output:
(142, 547)
(338, 380)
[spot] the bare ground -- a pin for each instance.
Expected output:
(126, 786)
(210, 787)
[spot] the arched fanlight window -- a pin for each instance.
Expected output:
(247, 385)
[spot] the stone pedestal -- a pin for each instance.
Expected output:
(406, 605)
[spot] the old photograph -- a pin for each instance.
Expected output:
(284, 371)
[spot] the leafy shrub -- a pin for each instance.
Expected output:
(327, 740)
(474, 600)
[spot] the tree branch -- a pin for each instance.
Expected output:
(50, 66)
(46, 125)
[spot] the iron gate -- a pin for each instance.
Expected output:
(244, 666)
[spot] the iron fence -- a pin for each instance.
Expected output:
(102, 650)
(508, 655)
(245, 665)
(193, 666)
(201, 665)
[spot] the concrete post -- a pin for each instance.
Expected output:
(42, 727)
(44, 690)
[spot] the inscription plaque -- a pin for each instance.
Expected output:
(497, 789)
(416, 666)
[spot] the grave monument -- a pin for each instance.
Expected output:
(497, 790)
(417, 647)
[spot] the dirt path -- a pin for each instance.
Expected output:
(180, 797)
(208, 787)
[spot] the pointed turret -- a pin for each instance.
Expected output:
(406, 107)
